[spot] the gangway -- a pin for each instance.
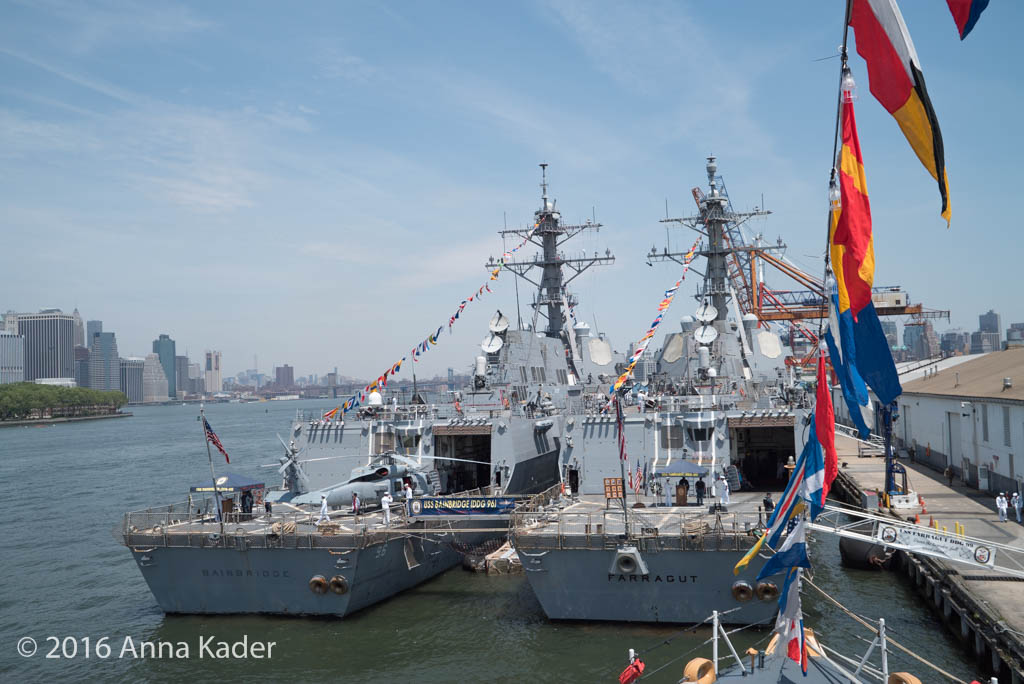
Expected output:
(893, 533)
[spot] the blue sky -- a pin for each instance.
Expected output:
(320, 184)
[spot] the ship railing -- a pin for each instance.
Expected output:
(651, 529)
(193, 523)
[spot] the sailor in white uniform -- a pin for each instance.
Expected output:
(1001, 505)
(725, 492)
(407, 490)
(324, 515)
(385, 505)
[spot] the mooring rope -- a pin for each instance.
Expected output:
(874, 630)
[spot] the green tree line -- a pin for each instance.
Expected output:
(25, 400)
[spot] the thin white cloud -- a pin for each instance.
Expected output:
(98, 24)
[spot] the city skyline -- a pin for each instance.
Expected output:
(335, 199)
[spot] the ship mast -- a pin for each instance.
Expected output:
(726, 246)
(552, 293)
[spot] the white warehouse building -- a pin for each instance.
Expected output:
(970, 416)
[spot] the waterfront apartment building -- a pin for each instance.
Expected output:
(213, 377)
(131, 379)
(163, 347)
(154, 381)
(104, 363)
(284, 376)
(49, 343)
(12, 358)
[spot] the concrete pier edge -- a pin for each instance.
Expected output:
(967, 618)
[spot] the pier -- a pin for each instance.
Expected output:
(983, 609)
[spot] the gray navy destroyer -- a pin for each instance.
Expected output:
(489, 446)
(716, 406)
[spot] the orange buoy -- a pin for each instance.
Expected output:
(700, 670)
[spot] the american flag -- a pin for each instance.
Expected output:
(213, 439)
(622, 432)
(638, 481)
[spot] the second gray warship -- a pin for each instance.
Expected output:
(715, 409)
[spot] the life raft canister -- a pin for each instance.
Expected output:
(632, 672)
(318, 584)
(767, 591)
(699, 670)
(339, 585)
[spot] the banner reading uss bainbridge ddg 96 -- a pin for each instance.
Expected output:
(463, 505)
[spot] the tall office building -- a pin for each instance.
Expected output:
(163, 347)
(79, 329)
(91, 328)
(195, 378)
(284, 376)
(154, 381)
(104, 363)
(82, 366)
(9, 322)
(49, 343)
(911, 335)
(213, 379)
(990, 322)
(984, 342)
(131, 379)
(181, 375)
(889, 328)
(955, 343)
(12, 358)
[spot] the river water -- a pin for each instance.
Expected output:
(65, 575)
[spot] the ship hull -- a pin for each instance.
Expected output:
(680, 587)
(205, 580)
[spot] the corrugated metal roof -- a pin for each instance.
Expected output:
(981, 377)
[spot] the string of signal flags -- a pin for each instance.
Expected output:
(430, 340)
(641, 346)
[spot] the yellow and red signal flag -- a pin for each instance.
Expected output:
(896, 81)
(851, 243)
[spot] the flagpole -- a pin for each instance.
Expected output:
(843, 59)
(213, 476)
(620, 419)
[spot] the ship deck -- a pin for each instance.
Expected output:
(591, 523)
(290, 526)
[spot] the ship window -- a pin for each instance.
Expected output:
(700, 434)
(543, 375)
(671, 437)
(522, 372)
